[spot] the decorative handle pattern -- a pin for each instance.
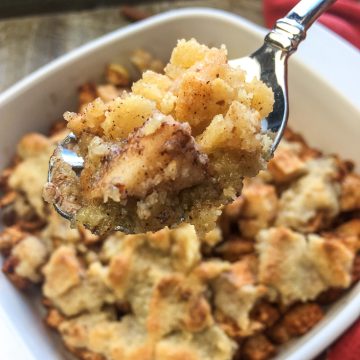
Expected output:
(291, 30)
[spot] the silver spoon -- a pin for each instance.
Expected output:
(268, 63)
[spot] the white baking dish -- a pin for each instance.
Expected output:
(324, 106)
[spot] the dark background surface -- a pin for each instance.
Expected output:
(32, 39)
(11, 8)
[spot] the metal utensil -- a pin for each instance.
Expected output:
(268, 63)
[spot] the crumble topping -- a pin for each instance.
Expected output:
(301, 267)
(299, 209)
(281, 251)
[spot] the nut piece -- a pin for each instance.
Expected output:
(234, 248)
(257, 347)
(117, 75)
(9, 237)
(143, 60)
(54, 318)
(350, 193)
(230, 215)
(265, 313)
(8, 198)
(108, 92)
(133, 13)
(87, 94)
(9, 268)
(297, 321)
(349, 229)
(4, 178)
(305, 152)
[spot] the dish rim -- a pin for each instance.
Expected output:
(330, 329)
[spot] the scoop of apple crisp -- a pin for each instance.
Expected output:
(175, 148)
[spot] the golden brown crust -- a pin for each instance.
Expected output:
(70, 287)
(32, 144)
(299, 209)
(286, 164)
(258, 210)
(168, 295)
(236, 293)
(288, 259)
(306, 152)
(177, 305)
(31, 253)
(28, 176)
(62, 272)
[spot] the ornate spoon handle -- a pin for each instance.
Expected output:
(291, 30)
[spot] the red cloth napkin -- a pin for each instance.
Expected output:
(343, 17)
(348, 346)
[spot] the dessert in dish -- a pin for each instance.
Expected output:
(174, 148)
(280, 253)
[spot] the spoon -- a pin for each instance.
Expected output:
(268, 63)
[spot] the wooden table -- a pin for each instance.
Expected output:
(27, 43)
